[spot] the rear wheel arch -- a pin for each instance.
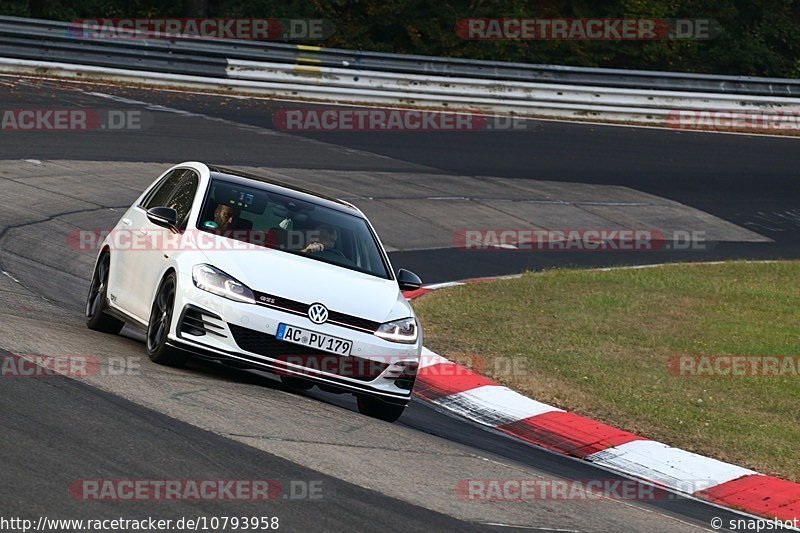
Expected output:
(96, 317)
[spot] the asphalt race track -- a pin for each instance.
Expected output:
(710, 172)
(207, 422)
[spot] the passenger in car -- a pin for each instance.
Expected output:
(326, 239)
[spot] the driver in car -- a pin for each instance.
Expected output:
(225, 218)
(326, 240)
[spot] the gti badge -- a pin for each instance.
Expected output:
(318, 313)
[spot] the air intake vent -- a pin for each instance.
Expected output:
(195, 321)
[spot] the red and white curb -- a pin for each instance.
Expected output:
(465, 393)
(410, 295)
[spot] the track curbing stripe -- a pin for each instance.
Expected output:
(667, 466)
(493, 405)
(477, 398)
(568, 433)
(445, 379)
(759, 494)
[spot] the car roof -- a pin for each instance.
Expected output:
(272, 185)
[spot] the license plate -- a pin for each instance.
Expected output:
(312, 339)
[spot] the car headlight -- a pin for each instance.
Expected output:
(404, 330)
(217, 282)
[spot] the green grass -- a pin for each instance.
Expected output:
(598, 342)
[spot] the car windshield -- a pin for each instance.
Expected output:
(295, 226)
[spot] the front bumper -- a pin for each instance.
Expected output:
(216, 328)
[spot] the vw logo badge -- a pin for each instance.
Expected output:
(318, 313)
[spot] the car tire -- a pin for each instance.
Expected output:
(158, 326)
(377, 408)
(96, 317)
(297, 383)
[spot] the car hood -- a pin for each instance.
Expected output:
(309, 281)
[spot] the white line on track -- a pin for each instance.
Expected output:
(531, 528)
(10, 276)
(246, 127)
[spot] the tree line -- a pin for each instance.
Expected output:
(752, 37)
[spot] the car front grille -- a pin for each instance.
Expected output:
(342, 365)
(300, 308)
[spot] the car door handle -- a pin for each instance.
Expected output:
(127, 221)
(143, 232)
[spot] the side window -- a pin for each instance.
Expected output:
(183, 197)
(159, 195)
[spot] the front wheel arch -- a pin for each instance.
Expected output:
(162, 314)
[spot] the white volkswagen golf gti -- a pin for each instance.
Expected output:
(243, 270)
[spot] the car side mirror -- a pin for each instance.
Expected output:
(407, 280)
(165, 217)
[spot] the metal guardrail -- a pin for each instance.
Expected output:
(334, 75)
(55, 36)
